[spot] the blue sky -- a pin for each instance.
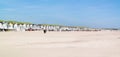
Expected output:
(91, 13)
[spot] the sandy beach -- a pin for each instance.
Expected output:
(60, 44)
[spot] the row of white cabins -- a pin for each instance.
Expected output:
(35, 27)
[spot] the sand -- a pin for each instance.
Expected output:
(60, 44)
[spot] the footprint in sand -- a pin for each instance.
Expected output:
(118, 38)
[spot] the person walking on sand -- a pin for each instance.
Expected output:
(45, 31)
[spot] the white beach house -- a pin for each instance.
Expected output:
(10, 26)
(1, 26)
(5, 25)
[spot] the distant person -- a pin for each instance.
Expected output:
(45, 31)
